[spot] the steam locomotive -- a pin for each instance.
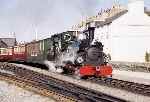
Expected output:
(90, 60)
(65, 52)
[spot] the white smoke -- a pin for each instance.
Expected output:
(69, 55)
(52, 67)
(64, 57)
(81, 36)
(56, 66)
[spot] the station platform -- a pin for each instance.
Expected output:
(138, 77)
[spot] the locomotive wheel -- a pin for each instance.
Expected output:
(77, 74)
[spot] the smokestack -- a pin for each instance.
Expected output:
(136, 7)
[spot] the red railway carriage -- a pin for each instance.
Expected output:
(19, 52)
(6, 54)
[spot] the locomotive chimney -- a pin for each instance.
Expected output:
(89, 34)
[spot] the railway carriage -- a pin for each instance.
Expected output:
(35, 51)
(49, 49)
(19, 52)
(48, 53)
(6, 54)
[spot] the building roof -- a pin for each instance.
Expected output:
(107, 16)
(7, 41)
(110, 19)
(2, 44)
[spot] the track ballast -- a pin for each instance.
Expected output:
(122, 84)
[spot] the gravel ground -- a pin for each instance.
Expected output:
(137, 77)
(12, 93)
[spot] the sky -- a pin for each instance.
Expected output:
(46, 17)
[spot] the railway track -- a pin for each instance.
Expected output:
(67, 90)
(121, 84)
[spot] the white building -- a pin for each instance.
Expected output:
(127, 36)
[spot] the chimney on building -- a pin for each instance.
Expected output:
(136, 7)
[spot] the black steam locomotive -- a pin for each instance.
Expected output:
(89, 59)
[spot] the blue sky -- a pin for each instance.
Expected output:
(47, 16)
